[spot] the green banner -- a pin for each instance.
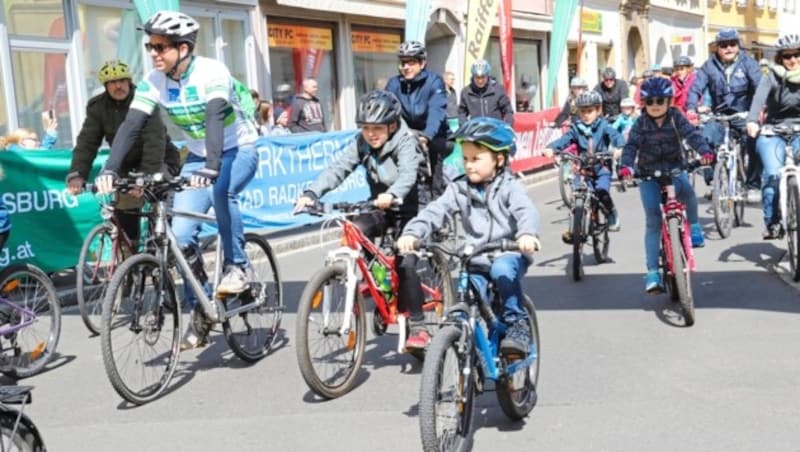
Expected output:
(47, 223)
(562, 19)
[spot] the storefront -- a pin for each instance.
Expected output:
(599, 39)
(673, 34)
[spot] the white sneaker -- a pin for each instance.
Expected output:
(234, 281)
(190, 338)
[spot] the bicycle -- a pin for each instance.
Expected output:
(331, 316)
(729, 194)
(30, 320)
(141, 299)
(566, 175)
(789, 194)
(676, 258)
(583, 226)
(17, 430)
(464, 354)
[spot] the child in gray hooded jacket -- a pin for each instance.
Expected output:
(493, 205)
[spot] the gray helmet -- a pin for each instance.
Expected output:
(609, 73)
(578, 82)
(175, 25)
(378, 107)
(590, 99)
(412, 49)
(788, 41)
(683, 60)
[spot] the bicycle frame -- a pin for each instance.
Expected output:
(672, 209)
(788, 170)
(27, 317)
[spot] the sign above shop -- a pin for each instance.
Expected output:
(368, 41)
(681, 39)
(592, 21)
(300, 37)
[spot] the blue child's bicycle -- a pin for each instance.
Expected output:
(465, 354)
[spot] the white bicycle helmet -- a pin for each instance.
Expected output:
(173, 24)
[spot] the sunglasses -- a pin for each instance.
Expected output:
(656, 100)
(789, 56)
(404, 63)
(159, 48)
(726, 44)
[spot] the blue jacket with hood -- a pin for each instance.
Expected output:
(424, 101)
(731, 93)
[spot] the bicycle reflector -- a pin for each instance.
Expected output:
(11, 285)
(316, 300)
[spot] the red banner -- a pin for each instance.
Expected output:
(532, 138)
(506, 44)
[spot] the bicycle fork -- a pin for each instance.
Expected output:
(788, 170)
(348, 257)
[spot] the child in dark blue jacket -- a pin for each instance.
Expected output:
(594, 131)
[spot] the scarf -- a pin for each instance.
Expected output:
(792, 76)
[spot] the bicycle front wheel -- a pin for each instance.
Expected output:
(22, 436)
(600, 240)
(565, 183)
(252, 332)
(793, 227)
(446, 396)
(330, 357)
(722, 199)
(740, 192)
(578, 220)
(97, 261)
(140, 332)
(517, 393)
(680, 270)
(26, 351)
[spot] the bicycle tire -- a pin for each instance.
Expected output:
(565, 183)
(92, 274)
(445, 343)
(680, 270)
(793, 227)
(266, 297)
(437, 276)
(666, 274)
(741, 192)
(33, 346)
(578, 214)
(140, 273)
(600, 236)
(721, 199)
(518, 404)
(27, 437)
(311, 299)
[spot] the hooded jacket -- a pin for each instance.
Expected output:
(728, 94)
(491, 101)
(152, 150)
(781, 97)
(306, 115)
(424, 101)
(602, 133)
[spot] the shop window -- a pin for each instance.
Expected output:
(40, 85)
(205, 37)
(3, 115)
(374, 58)
(109, 33)
(526, 71)
(297, 52)
(233, 37)
(41, 18)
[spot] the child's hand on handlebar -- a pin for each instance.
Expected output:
(626, 173)
(707, 158)
(528, 243)
(752, 129)
(384, 201)
(303, 202)
(407, 244)
(549, 153)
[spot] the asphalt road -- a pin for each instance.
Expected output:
(619, 372)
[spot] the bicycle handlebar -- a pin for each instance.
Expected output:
(320, 209)
(706, 117)
(782, 130)
(467, 252)
(658, 175)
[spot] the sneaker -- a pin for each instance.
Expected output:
(614, 224)
(566, 237)
(419, 338)
(653, 283)
(234, 281)
(517, 340)
(698, 241)
(773, 231)
(708, 195)
(190, 338)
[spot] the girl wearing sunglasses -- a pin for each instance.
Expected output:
(779, 92)
(655, 139)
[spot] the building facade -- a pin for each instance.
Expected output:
(596, 26)
(756, 21)
(676, 28)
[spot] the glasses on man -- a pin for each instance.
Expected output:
(404, 63)
(726, 44)
(159, 48)
(656, 100)
(789, 56)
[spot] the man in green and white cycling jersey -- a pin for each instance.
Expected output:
(199, 97)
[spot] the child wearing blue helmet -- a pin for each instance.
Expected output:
(493, 205)
(655, 139)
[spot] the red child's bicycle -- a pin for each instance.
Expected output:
(331, 316)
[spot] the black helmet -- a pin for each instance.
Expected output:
(378, 107)
(588, 99)
(175, 25)
(412, 49)
(609, 73)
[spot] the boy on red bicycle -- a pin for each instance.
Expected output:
(389, 152)
(493, 205)
(655, 139)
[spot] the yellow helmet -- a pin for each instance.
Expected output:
(113, 70)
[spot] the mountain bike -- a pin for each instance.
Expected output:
(587, 222)
(729, 193)
(566, 174)
(17, 430)
(464, 355)
(331, 315)
(676, 258)
(789, 194)
(141, 320)
(30, 320)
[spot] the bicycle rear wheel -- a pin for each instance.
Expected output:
(793, 227)
(26, 351)
(22, 436)
(680, 270)
(740, 193)
(98, 259)
(447, 396)
(141, 329)
(517, 403)
(722, 199)
(578, 219)
(252, 333)
(437, 286)
(330, 359)
(599, 233)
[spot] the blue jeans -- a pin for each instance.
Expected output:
(237, 169)
(601, 183)
(650, 192)
(772, 151)
(506, 273)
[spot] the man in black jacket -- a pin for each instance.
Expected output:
(612, 90)
(484, 97)
(153, 152)
(307, 113)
